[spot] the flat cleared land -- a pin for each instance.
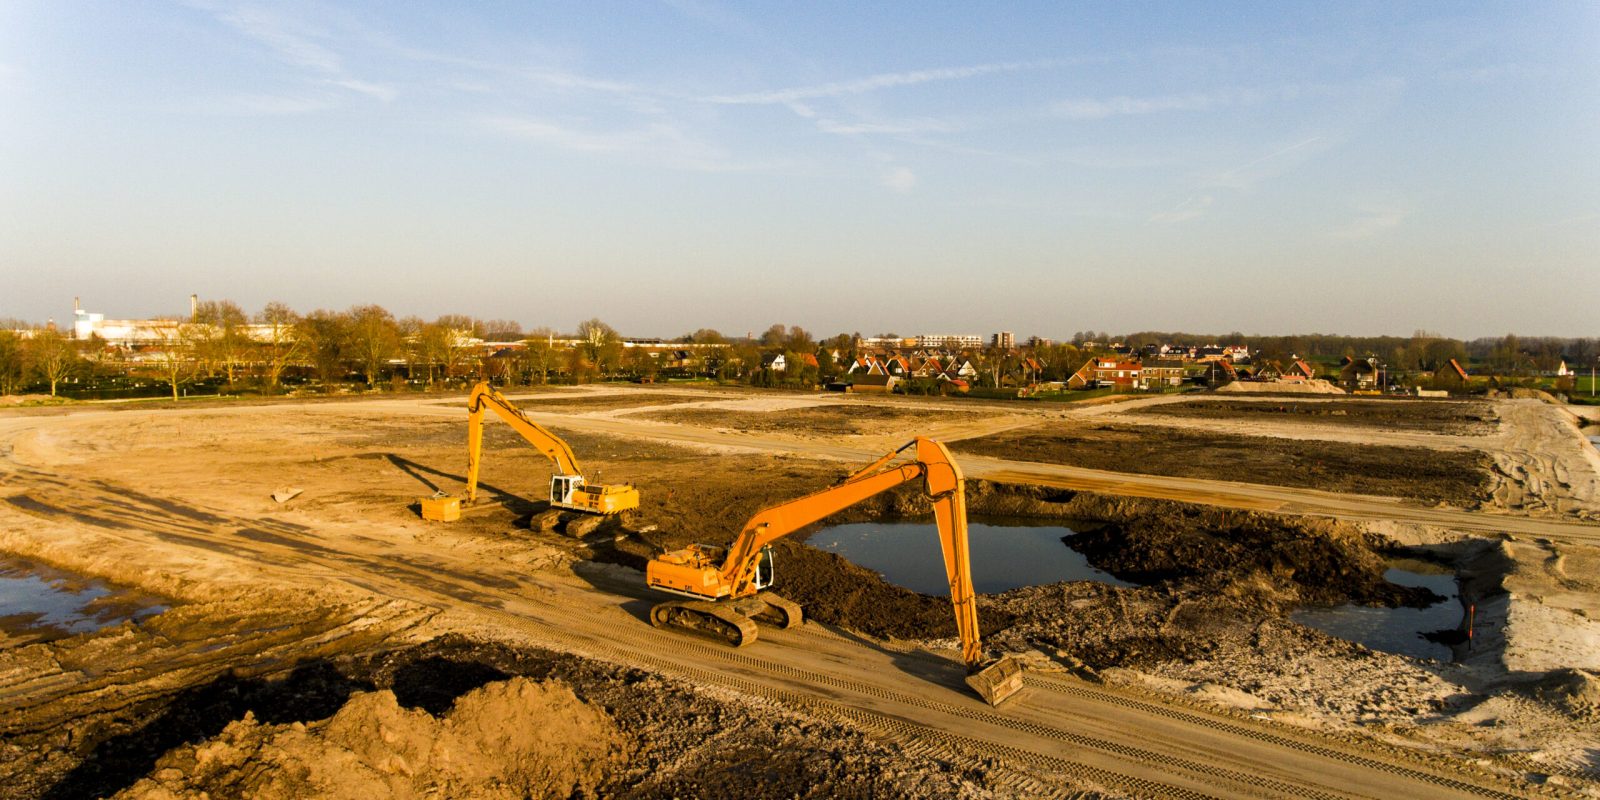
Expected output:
(831, 420)
(1458, 478)
(306, 613)
(1456, 418)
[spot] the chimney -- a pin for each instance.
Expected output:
(194, 306)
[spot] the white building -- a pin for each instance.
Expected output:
(953, 340)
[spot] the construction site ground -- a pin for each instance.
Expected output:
(336, 644)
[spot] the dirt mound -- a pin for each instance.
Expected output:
(1285, 387)
(1523, 393)
(1574, 691)
(514, 738)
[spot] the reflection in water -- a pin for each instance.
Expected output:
(1396, 630)
(36, 602)
(1003, 557)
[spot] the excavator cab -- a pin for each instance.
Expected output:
(764, 569)
(562, 489)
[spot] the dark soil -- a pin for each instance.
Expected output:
(1428, 416)
(828, 420)
(686, 743)
(1432, 476)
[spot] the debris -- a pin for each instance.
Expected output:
(286, 493)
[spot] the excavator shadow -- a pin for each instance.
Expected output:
(430, 477)
(926, 667)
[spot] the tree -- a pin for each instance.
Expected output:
(52, 356)
(601, 345)
(219, 326)
(374, 339)
(13, 358)
(642, 363)
(281, 348)
(502, 330)
(774, 336)
(707, 336)
(455, 335)
(176, 358)
(323, 334)
(540, 347)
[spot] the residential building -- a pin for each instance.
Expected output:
(1004, 340)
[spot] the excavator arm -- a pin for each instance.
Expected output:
(485, 397)
(944, 484)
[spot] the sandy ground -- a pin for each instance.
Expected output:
(177, 504)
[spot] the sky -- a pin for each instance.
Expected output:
(1043, 168)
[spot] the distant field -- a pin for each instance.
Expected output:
(1454, 417)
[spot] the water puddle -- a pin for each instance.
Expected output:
(1396, 630)
(38, 603)
(1004, 556)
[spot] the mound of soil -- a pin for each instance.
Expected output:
(510, 739)
(1306, 561)
(458, 717)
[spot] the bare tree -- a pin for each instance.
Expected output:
(224, 339)
(52, 356)
(601, 345)
(323, 334)
(176, 357)
(374, 339)
(540, 347)
(456, 341)
(281, 347)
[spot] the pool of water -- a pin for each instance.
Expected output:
(1003, 557)
(1396, 630)
(38, 603)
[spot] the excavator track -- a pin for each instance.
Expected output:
(705, 619)
(780, 612)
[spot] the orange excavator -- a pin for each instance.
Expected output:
(568, 488)
(726, 586)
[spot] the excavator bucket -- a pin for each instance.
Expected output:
(998, 681)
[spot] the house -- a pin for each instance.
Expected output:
(1359, 373)
(928, 368)
(1162, 371)
(963, 369)
(1300, 371)
(898, 366)
(876, 383)
(1211, 353)
(1237, 353)
(1451, 376)
(1269, 371)
(866, 365)
(774, 362)
(1219, 372)
(1083, 378)
(1121, 374)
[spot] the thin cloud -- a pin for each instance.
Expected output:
(1089, 109)
(1193, 208)
(1247, 174)
(263, 105)
(900, 179)
(875, 82)
(293, 44)
(1371, 222)
(895, 127)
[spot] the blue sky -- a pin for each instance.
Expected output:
(1042, 168)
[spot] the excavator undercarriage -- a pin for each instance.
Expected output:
(730, 621)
